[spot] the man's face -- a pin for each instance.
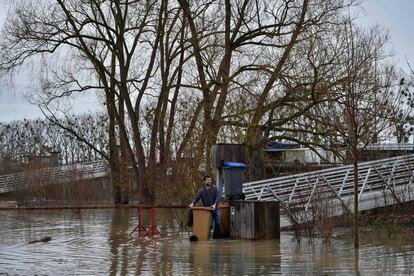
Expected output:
(207, 182)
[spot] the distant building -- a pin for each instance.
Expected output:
(288, 153)
(382, 151)
(51, 160)
(8, 165)
(293, 153)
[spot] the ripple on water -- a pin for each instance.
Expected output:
(97, 242)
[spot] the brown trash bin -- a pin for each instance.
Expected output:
(201, 223)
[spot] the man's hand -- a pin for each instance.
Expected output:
(191, 205)
(213, 206)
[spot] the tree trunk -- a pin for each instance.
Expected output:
(123, 159)
(255, 153)
(356, 226)
(113, 156)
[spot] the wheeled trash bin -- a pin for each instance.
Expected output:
(201, 223)
(233, 180)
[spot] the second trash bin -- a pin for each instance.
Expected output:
(201, 223)
(233, 180)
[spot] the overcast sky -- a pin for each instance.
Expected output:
(394, 15)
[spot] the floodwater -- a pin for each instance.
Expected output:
(97, 242)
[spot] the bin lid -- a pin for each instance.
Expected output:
(234, 164)
(202, 208)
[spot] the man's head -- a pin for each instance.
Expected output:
(207, 181)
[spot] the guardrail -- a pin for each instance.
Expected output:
(11, 182)
(390, 180)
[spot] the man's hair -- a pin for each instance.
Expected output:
(206, 176)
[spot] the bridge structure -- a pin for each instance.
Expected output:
(54, 175)
(330, 192)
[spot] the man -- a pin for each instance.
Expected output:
(210, 197)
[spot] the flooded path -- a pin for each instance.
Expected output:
(96, 242)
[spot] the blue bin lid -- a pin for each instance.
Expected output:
(234, 164)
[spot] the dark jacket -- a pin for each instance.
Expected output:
(208, 197)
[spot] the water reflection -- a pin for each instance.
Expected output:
(230, 257)
(118, 241)
(97, 242)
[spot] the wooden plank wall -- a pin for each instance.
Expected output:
(254, 220)
(228, 152)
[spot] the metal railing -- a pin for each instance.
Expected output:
(67, 173)
(390, 146)
(380, 183)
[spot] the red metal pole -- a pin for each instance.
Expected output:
(153, 221)
(139, 221)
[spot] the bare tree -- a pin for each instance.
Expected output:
(21, 139)
(170, 72)
(249, 60)
(401, 110)
(110, 42)
(360, 111)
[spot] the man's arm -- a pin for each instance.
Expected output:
(196, 198)
(216, 202)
